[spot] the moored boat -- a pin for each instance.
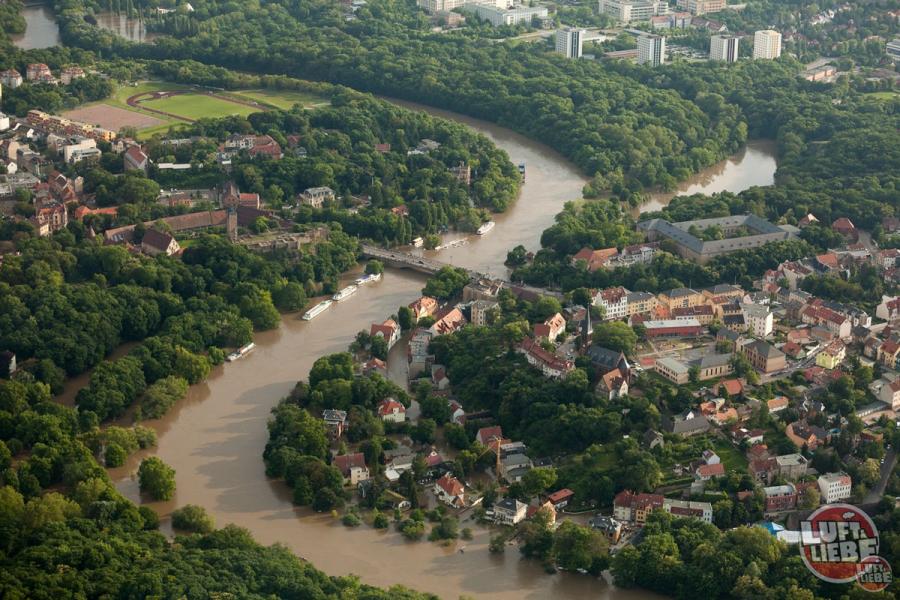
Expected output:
(240, 352)
(345, 293)
(316, 310)
(485, 228)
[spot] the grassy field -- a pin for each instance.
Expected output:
(283, 99)
(199, 106)
(883, 95)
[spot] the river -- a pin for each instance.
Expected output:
(214, 438)
(41, 30)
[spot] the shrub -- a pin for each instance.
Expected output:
(193, 519)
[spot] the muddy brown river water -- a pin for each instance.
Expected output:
(214, 438)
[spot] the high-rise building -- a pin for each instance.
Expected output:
(651, 50)
(766, 44)
(724, 47)
(701, 7)
(569, 42)
(627, 11)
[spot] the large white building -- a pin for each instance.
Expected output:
(627, 11)
(766, 44)
(893, 49)
(701, 7)
(569, 42)
(433, 6)
(507, 16)
(834, 487)
(651, 50)
(613, 301)
(759, 319)
(724, 48)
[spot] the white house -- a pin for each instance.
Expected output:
(391, 411)
(450, 491)
(509, 511)
(389, 330)
(834, 487)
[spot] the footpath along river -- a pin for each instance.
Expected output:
(214, 438)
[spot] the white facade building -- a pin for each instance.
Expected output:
(724, 48)
(569, 42)
(508, 16)
(614, 302)
(637, 11)
(766, 44)
(834, 487)
(651, 50)
(759, 320)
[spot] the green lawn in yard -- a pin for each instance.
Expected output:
(199, 106)
(732, 457)
(284, 99)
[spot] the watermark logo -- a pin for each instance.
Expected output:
(874, 574)
(839, 544)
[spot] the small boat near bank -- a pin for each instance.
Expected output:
(485, 228)
(240, 352)
(317, 310)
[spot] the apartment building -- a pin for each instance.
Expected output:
(766, 44)
(724, 48)
(701, 7)
(569, 42)
(614, 301)
(651, 50)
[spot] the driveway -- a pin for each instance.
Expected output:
(877, 492)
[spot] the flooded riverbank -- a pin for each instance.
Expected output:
(754, 165)
(214, 438)
(550, 182)
(41, 30)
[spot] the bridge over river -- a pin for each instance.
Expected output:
(429, 266)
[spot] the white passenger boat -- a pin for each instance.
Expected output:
(485, 228)
(317, 310)
(345, 293)
(240, 352)
(372, 278)
(418, 242)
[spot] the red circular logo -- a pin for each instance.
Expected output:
(874, 574)
(835, 540)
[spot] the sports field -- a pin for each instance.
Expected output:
(280, 98)
(196, 106)
(139, 105)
